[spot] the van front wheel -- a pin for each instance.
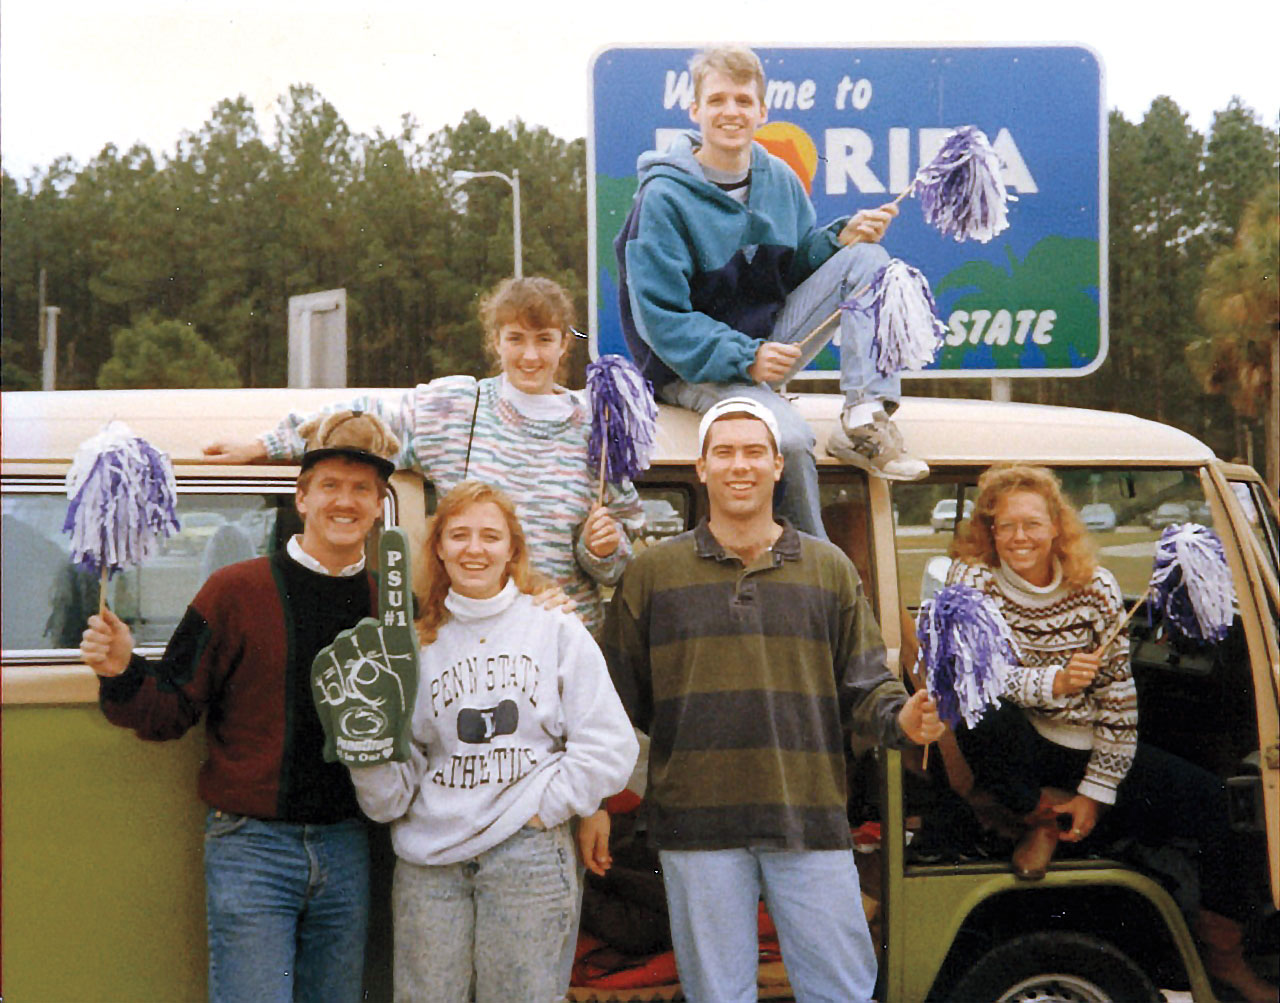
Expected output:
(1060, 967)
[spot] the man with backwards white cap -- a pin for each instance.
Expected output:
(747, 651)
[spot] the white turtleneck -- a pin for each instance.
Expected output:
(556, 406)
(1015, 581)
(515, 717)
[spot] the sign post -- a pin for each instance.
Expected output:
(318, 339)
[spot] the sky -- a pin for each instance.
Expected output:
(76, 75)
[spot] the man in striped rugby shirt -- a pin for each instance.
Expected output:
(747, 652)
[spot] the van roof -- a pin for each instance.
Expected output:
(48, 426)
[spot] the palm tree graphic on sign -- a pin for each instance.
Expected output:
(1037, 313)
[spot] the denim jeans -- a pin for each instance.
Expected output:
(288, 909)
(497, 922)
(814, 300)
(814, 899)
(846, 272)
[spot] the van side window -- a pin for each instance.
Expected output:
(925, 519)
(46, 600)
(666, 511)
(1261, 517)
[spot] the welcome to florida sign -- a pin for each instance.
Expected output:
(855, 124)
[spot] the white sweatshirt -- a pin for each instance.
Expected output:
(516, 716)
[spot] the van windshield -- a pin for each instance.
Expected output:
(46, 600)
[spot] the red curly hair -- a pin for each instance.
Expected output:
(975, 543)
(432, 614)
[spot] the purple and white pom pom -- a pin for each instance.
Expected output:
(967, 651)
(908, 331)
(624, 417)
(1191, 582)
(961, 190)
(123, 499)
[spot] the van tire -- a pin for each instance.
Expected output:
(1067, 966)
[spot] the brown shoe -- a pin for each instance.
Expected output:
(1222, 949)
(1032, 854)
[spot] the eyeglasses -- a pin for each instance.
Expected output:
(1031, 527)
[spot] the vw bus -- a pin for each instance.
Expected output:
(102, 873)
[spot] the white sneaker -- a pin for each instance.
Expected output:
(877, 447)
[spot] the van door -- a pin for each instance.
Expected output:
(1255, 561)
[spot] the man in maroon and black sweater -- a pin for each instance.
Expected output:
(286, 847)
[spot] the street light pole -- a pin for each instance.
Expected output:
(517, 251)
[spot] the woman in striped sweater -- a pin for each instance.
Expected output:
(1063, 745)
(519, 431)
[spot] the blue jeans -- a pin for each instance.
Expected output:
(846, 272)
(288, 909)
(814, 900)
(497, 922)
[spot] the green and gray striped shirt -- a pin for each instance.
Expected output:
(747, 680)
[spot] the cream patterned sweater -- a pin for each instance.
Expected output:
(1050, 624)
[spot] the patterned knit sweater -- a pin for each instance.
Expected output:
(1051, 624)
(747, 680)
(541, 464)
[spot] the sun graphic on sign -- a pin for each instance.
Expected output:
(792, 144)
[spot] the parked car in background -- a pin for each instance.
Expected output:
(1167, 514)
(661, 518)
(1099, 517)
(943, 516)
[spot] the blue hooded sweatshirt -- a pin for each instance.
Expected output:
(702, 276)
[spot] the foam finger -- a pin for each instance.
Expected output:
(394, 592)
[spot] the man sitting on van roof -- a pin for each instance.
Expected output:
(723, 272)
(747, 651)
(286, 846)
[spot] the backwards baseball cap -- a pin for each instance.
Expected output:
(737, 405)
(353, 435)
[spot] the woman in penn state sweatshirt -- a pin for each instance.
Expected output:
(516, 729)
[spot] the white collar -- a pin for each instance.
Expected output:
(294, 550)
(465, 608)
(1015, 580)
(554, 406)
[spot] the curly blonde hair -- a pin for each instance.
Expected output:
(975, 539)
(432, 614)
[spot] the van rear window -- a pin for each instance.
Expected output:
(46, 600)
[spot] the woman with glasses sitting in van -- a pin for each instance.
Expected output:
(517, 728)
(1062, 752)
